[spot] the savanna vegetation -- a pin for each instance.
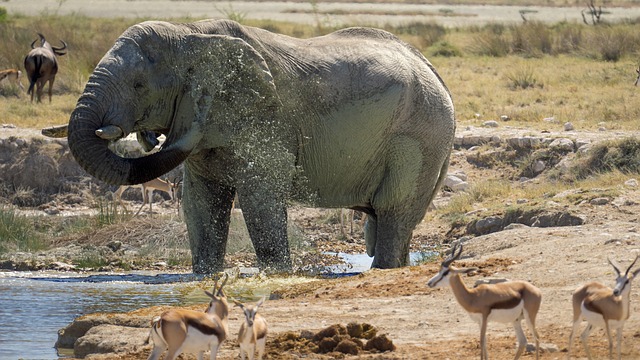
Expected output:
(529, 72)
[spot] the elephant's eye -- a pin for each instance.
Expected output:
(138, 85)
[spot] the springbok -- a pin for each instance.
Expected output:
(505, 302)
(349, 213)
(189, 331)
(603, 307)
(42, 66)
(12, 75)
(147, 191)
(253, 331)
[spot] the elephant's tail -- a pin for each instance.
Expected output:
(443, 175)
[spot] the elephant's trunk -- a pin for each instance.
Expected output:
(94, 155)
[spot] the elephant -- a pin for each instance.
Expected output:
(353, 119)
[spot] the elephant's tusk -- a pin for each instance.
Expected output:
(110, 132)
(59, 131)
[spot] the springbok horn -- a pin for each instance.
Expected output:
(630, 266)
(34, 41)
(110, 132)
(614, 266)
(220, 292)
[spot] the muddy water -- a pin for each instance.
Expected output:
(34, 306)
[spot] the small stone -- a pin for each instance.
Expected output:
(490, 123)
(568, 126)
(599, 201)
(504, 118)
(631, 183)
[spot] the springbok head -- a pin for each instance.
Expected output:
(441, 279)
(623, 280)
(250, 311)
(217, 295)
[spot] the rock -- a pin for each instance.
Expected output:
(505, 118)
(490, 123)
(105, 339)
(631, 183)
(568, 126)
(455, 184)
(488, 225)
(524, 143)
(539, 166)
(599, 201)
(562, 144)
(79, 327)
(60, 266)
(460, 175)
(114, 245)
(513, 226)
(550, 119)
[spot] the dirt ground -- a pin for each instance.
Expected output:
(428, 324)
(424, 323)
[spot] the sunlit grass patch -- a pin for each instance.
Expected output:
(17, 233)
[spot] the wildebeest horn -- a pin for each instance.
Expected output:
(60, 50)
(109, 132)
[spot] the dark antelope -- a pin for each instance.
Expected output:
(505, 302)
(42, 66)
(603, 307)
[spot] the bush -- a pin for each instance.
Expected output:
(444, 48)
(17, 233)
(622, 155)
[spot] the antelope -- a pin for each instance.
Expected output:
(350, 214)
(179, 330)
(12, 75)
(42, 66)
(505, 302)
(603, 307)
(253, 332)
(147, 191)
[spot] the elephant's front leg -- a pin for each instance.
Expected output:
(265, 214)
(207, 212)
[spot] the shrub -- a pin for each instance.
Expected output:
(17, 233)
(444, 48)
(522, 78)
(622, 155)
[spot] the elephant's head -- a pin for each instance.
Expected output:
(163, 78)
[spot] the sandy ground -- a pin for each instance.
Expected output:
(428, 324)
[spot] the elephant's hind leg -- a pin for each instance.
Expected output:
(207, 210)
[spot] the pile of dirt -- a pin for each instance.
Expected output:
(335, 341)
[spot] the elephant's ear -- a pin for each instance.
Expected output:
(231, 66)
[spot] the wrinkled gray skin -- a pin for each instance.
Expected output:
(354, 119)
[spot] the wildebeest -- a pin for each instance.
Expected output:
(41, 65)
